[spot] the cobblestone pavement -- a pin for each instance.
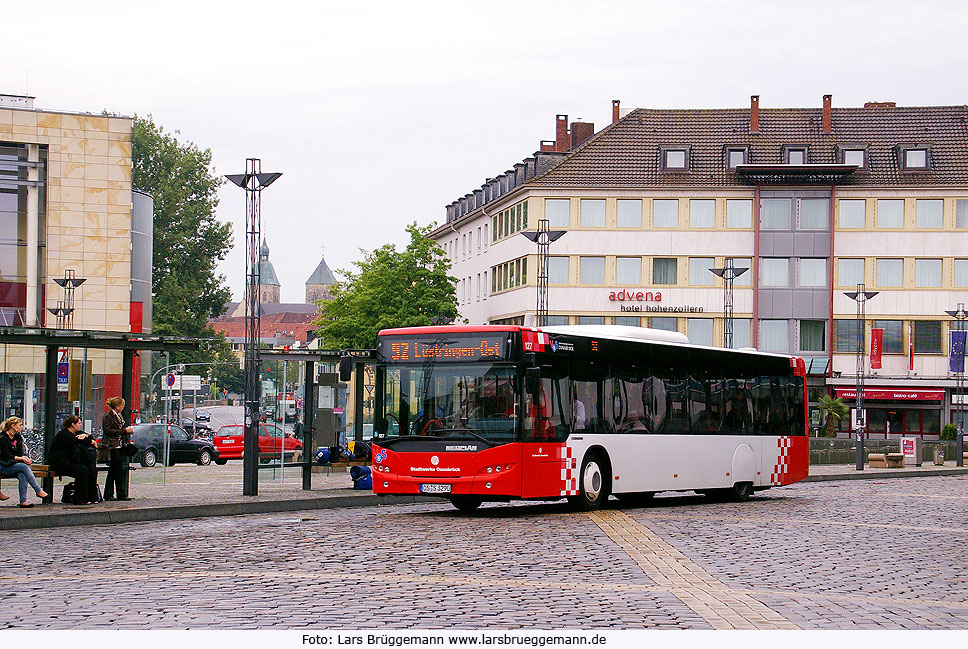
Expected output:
(886, 554)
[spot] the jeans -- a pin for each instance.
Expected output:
(23, 473)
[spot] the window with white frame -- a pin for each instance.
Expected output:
(628, 271)
(914, 158)
(746, 279)
(627, 320)
(774, 336)
(853, 157)
(775, 213)
(664, 323)
(557, 270)
(929, 213)
(961, 273)
(813, 335)
(739, 213)
(629, 213)
(850, 272)
(591, 270)
(814, 213)
(961, 213)
(852, 213)
(890, 213)
(556, 211)
(592, 213)
(889, 272)
(701, 331)
(774, 272)
(796, 155)
(485, 236)
(699, 271)
(665, 213)
(927, 273)
(702, 213)
(675, 159)
(813, 273)
(741, 333)
(893, 338)
(735, 157)
(664, 270)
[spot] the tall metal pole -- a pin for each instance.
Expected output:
(544, 238)
(253, 181)
(860, 296)
(729, 274)
(960, 315)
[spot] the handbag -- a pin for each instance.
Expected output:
(84, 454)
(129, 449)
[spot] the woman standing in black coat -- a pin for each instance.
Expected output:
(115, 433)
(69, 455)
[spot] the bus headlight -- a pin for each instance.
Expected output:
(490, 470)
(488, 485)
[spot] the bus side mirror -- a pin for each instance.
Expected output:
(345, 368)
(532, 380)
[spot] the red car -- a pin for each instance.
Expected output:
(229, 443)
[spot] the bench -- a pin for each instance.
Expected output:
(886, 460)
(46, 475)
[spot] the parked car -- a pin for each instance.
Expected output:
(150, 440)
(272, 440)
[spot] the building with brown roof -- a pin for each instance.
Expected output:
(813, 201)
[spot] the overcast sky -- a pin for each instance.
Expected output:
(381, 113)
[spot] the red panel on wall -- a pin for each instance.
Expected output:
(137, 317)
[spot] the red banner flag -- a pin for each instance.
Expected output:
(877, 342)
(911, 348)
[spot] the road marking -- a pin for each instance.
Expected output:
(672, 571)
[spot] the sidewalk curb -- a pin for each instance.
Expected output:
(106, 517)
(895, 473)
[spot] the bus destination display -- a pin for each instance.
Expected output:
(398, 349)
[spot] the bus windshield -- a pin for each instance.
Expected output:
(461, 400)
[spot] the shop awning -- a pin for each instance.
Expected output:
(892, 395)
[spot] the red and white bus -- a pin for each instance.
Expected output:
(495, 413)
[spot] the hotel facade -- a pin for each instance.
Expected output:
(813, 201)
(67, 209)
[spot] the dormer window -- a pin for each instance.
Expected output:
(675, 158)
(736, 156)
(914, 159)
(856, 156)
(795, 155)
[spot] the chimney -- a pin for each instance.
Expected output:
(754, 114)
(616, 109)
(880, 104)
(547, 146)
(561, 133)
(581, 131)
(826, 114)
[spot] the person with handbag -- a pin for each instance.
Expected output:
(116, 434)
(14, 461)
(72, 453)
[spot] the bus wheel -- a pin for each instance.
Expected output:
(741, 491)
(592, 484)
(466, 504)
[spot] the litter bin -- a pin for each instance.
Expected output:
(939, 457)
(913, 451)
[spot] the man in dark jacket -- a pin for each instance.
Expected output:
(70, 454)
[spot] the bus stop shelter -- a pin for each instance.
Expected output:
(52, 340)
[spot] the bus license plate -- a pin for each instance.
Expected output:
(435, 488)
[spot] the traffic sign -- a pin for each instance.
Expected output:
(300, 404)
(170, 380)
(63, 371)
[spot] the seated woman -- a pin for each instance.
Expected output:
(69, 455)
(14, 461)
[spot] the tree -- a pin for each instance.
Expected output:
(833, 409)
(390, 289)
(188, 239)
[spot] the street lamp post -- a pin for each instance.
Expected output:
(860, 296)
(729, 273)
(957, 365)
(253, 181)
(544, 238)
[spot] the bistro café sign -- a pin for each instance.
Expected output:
(631, 302)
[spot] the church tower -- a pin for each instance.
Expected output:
(268, 283)
(317, 286)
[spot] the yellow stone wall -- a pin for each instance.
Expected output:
(88, 220)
